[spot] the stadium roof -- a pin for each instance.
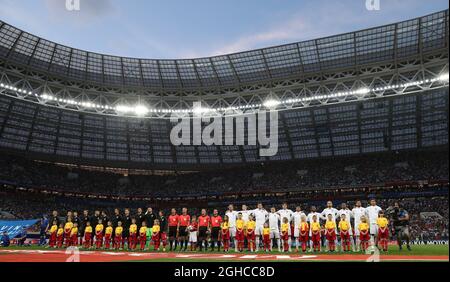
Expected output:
(376, 90)
(274, 63)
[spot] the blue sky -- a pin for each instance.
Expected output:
(197, 28)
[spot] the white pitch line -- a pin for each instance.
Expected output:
(283, 257)
(307, 257)
(113, 254)
(136, 255)
(184, 256)
(249, 257)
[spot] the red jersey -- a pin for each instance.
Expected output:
(194, 226)
(203, 221)
(184, 220)
(173, 220)
(216, 221)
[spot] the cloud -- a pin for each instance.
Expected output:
(300, 26)
(290, 30)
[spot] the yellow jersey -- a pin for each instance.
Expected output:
(60, 231)
(304, 227)
(133, 229)
(225, 226)
(74, 231)
(143, 230)
(382, 222)
(109, 230)
(88, 229)
(119, 230)
(266, 231)
(240, 224)
(315, 226)
(251, 225)
(363, 227)
(344, 225)
(53, 229)
(68, 226)
(285, 227)
(156, 229)
(99, 228)
(330, 225)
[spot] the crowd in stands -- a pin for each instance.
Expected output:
(312, 174)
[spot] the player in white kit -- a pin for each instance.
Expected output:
(245, 213)
(232, 215)
(348, 214)
(313, 212)
(357, 212)
(372, 212)
(260, 215)
(286, 213)
(274, 225)
(329, 210)
(297, 218)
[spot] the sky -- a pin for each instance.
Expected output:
(174, 29)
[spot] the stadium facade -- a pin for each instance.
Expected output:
(375, 90)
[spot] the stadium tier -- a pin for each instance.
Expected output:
(375, 90)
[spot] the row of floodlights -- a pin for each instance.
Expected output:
(143, 110)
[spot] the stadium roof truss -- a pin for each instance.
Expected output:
(375, 90)
(348, 67)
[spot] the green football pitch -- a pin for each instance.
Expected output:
(39, 254)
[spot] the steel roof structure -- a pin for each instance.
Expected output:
(336, 52)
(317, 86)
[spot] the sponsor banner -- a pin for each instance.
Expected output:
(14, 228)
(433, 242)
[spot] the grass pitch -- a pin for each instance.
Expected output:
(39, 254)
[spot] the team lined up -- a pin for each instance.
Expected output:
(252, 229)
